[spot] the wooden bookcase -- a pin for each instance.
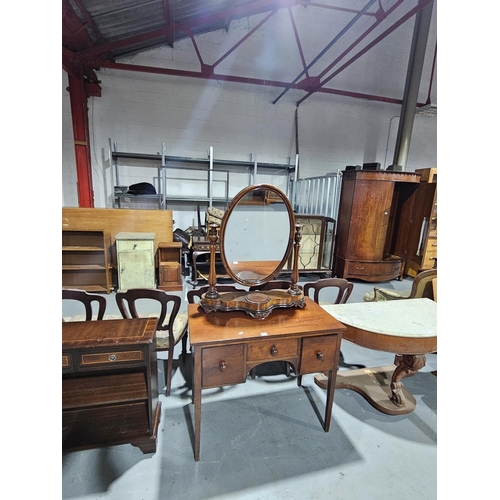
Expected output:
(85, 263)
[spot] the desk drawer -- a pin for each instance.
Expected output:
(90, 359)
(318, 354)
(135, 246)
(272, 350)
(223, 365)
(387, 268)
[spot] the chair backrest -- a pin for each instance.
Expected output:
(422, 285)
(170, 305)
(273, 285)
(194, 296)
(344, 289)
(86, 299)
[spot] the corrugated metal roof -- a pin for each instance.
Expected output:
(96, 33)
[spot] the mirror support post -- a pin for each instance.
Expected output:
(212, 292)
(294, 289)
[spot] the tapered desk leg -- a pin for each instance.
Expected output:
(197, 401)
(329, 399)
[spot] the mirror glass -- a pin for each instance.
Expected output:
(257, 234)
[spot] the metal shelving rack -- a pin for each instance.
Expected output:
(215, 175)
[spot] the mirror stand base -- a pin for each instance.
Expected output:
(258, 305)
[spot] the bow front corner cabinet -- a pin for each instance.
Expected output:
(374, 219)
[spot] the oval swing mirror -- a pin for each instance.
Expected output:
(257, 236)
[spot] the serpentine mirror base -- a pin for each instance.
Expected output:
(256, 304)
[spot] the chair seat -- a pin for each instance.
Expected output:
(180, 324)
(381, 294)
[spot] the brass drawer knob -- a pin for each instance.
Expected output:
(222, 366)
(274, 351)
(319, 356)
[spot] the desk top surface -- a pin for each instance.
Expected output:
(221, 326)
(115, 332)
(400, 318)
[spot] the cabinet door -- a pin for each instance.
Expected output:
(369, 220)
(136, 270)
(423, 219)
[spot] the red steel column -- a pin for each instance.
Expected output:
(78, 98)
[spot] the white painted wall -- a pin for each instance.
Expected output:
(139, 111)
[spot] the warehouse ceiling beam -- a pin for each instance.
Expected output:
(169, 35)
(339, 35)
(397, 24)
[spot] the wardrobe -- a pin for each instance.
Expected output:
(375, 212)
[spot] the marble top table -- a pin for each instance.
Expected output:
(405, 327)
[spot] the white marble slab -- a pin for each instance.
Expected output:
(403, 318)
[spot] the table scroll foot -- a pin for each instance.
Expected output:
(406, 366)
(374, 384)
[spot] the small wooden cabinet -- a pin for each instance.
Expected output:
(135, 253)
(422, 238)
(85, 263)
(109, 384)
(316, 245)
(373, 224)
(170, 266)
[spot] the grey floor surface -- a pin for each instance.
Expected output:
(264, 439)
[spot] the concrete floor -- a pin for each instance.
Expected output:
(264, 439)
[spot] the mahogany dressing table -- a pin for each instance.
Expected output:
(227, 345)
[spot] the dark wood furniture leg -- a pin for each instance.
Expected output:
(197, 402)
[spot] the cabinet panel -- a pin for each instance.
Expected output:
(369, 220)
(135, 270)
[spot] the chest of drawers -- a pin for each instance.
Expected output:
(109, 384)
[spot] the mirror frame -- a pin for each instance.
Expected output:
(222, 233)
(258, 304)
